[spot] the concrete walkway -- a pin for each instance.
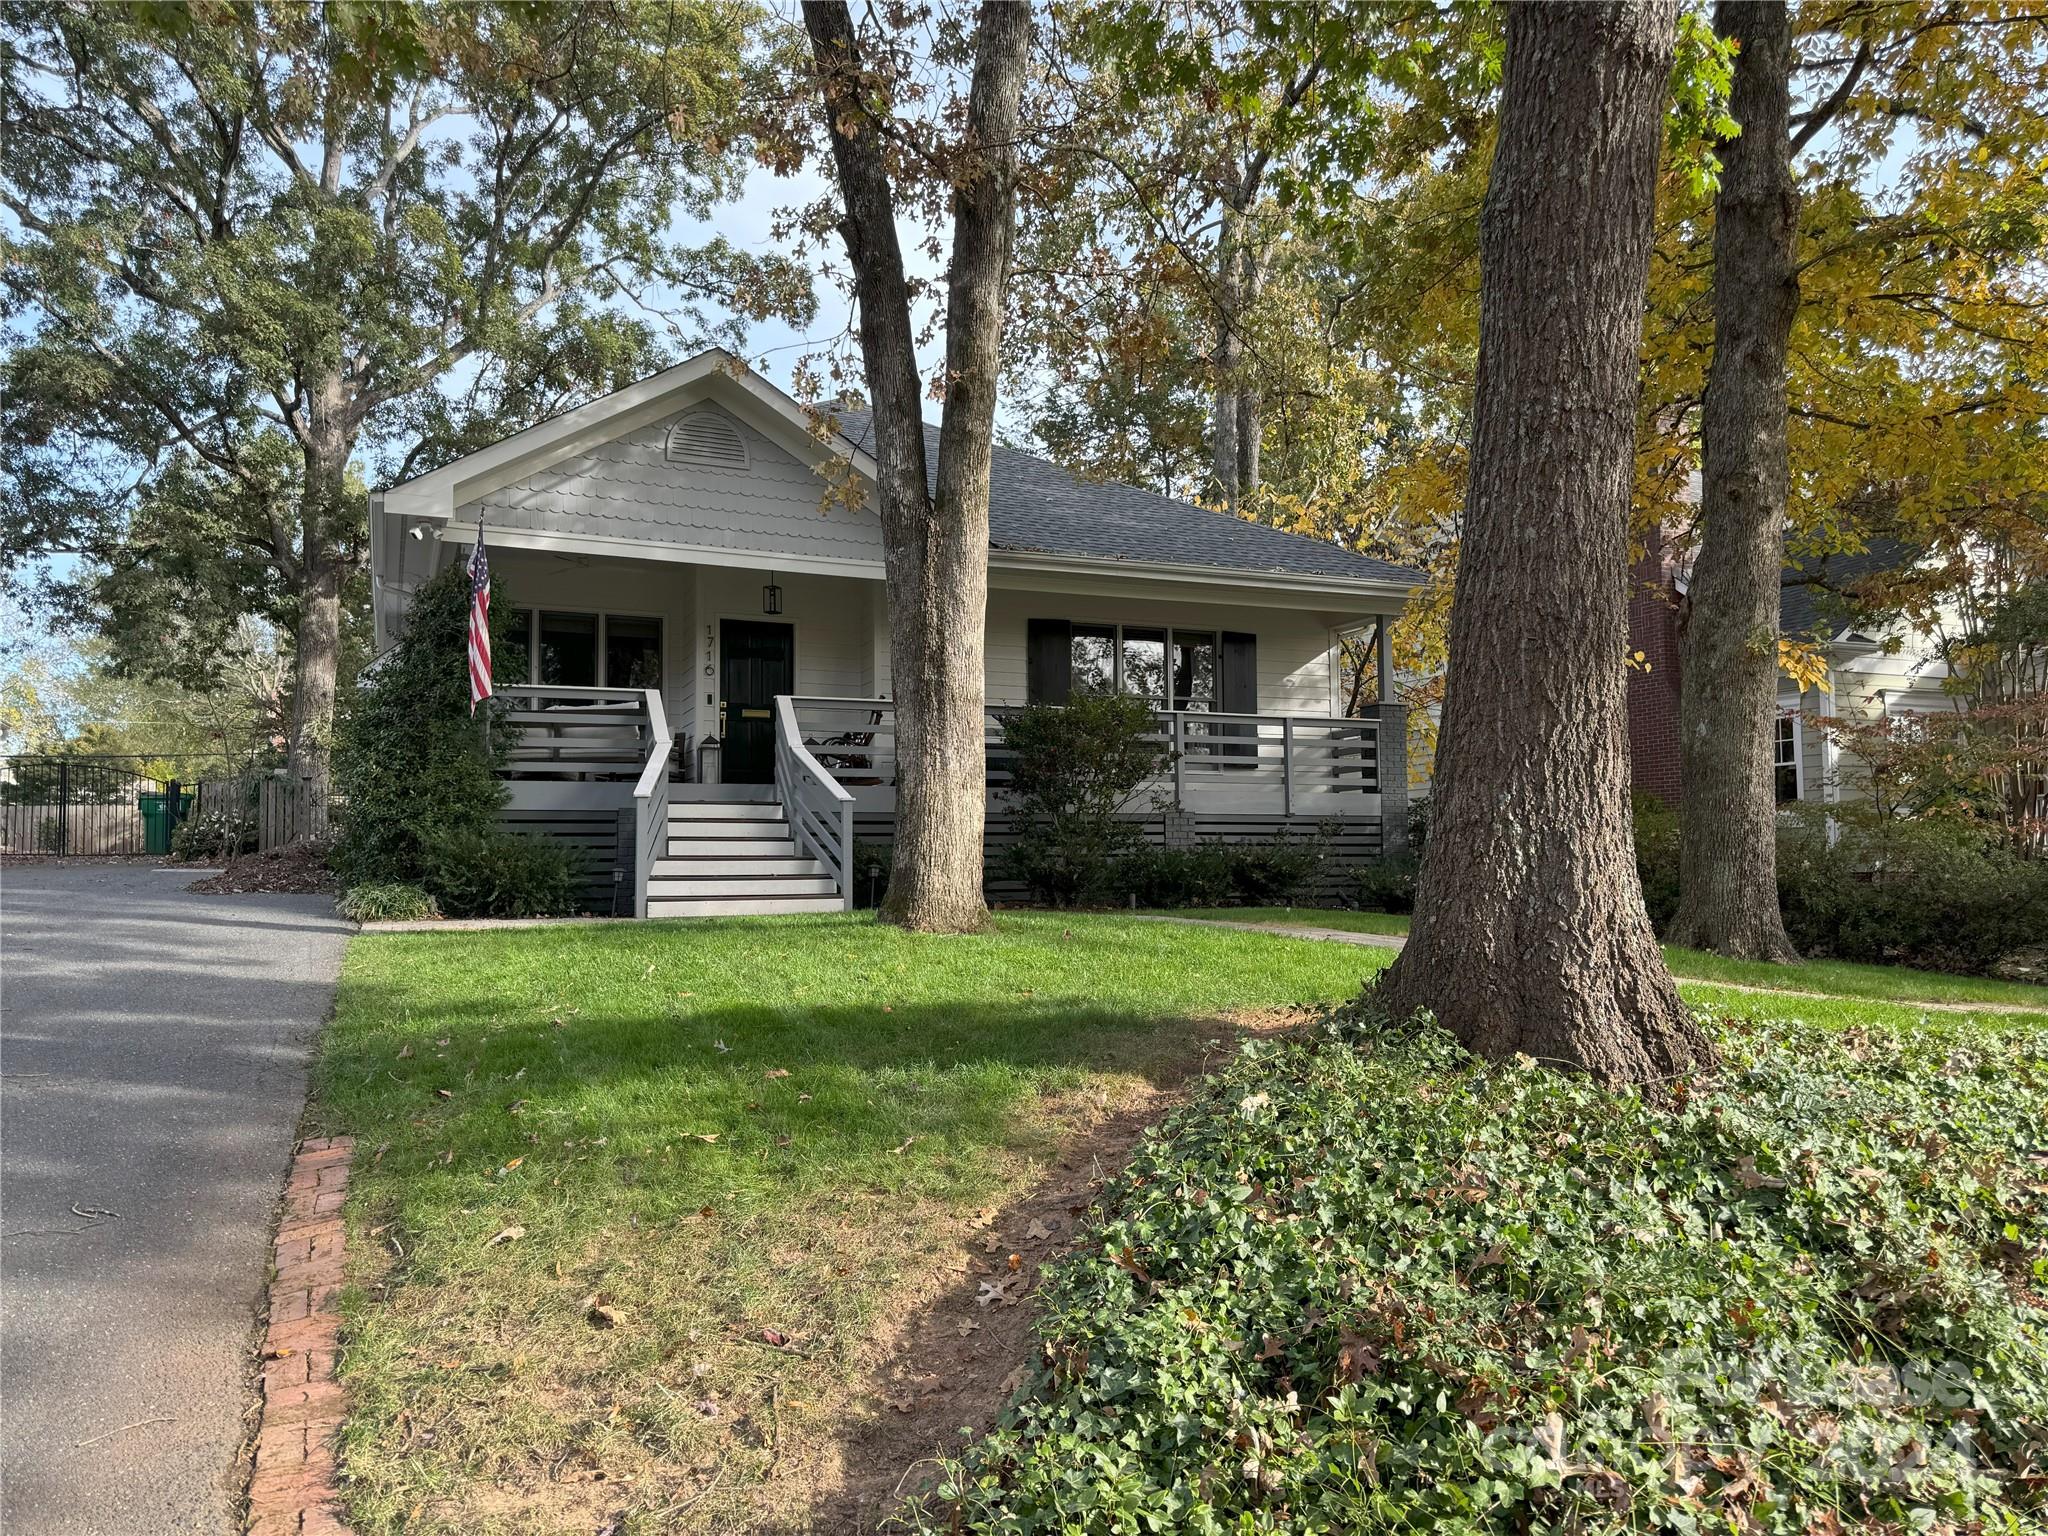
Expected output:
(153, 1048)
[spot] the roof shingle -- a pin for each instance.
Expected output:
(1037, 507)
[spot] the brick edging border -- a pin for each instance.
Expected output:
(292, 1490)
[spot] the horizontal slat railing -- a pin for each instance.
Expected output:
(616, 739)
(818, 808)
(578, 733)
(1293, 765)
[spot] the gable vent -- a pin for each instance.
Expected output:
(707, 440)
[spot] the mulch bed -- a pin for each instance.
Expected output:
(294, 869)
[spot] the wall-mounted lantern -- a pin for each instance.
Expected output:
(771, 597)
(707, 760)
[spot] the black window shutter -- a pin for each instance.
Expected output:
(1240, 674)
(1048, 660)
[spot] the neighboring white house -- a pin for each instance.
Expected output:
(696, 569)
(1875, 668)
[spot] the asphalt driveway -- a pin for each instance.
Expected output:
(153, 1049)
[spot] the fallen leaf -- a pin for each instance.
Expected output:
(1037, 1232)
(902, 1404)
(803, 1098)
(776, 1072)
(708, 1406)
(443, 1093)
(378, 1156)
(774, 1336)
(405, 1053)
(908, 1142)
(506, 1235)
(516, 1107)
(965, 1326)
(604, 1315)
(705, 1136)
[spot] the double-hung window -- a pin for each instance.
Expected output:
(1785, 759)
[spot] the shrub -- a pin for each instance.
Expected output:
(1940, 893)
(387, 902)
(1388, 885)
(1202, 875)
(1656, 829)
(1076, 770)
(215, 835)
(870, 868)
(490, 872)
(1370, 1283)
(409, 759)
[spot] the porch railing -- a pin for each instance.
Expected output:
(1288, 765)
(817, 807)
(603, 737)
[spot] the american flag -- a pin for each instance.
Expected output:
(479, 622)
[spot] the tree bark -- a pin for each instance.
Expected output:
(935, 545)
(1728, 683)
(316, 638)
(1530, 934)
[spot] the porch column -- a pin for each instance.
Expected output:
(1383, 654)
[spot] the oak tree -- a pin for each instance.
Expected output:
(1530, 934)
(256, 251)
(935, 530)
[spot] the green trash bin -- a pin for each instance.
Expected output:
(156, 819)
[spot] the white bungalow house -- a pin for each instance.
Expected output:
(701, 669)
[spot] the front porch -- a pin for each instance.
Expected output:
(669, 833)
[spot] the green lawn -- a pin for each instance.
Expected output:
(711, 1129)
(1836, 978)
(595, 1162)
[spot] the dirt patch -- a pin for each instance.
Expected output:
(963, 1344)
(293, 869)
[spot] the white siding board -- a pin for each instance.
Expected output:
(627, 488)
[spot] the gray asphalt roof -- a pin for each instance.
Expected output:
(1819, 595)
(1037, 507)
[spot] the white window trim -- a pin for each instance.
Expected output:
(1797, 717)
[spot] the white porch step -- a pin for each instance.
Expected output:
(725, 810)
(665, 887)
(766, 866)
(739, 906)
(774, 843)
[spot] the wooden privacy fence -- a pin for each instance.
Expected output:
(270, 811)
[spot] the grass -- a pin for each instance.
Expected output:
(595, 1163)
(1835, 978)
(682, 1134)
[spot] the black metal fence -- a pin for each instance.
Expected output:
(88, 805)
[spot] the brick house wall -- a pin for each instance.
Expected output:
(1653, 694)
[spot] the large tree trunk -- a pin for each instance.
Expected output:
(1529, 933)
(935, 546)
(316, 637)
(1728, 685)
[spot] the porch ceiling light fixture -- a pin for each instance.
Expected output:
(771, 597)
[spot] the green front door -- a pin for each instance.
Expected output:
(758, 661)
